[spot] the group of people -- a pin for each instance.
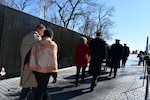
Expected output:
(98, 50)
(39, 60)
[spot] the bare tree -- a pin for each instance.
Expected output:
(67, 11)
(17, 4)
(98, 20)
(88, 26)
(44, 6)
(84, 16)
(70, 11)
(22, 4)
(8, 3)
(54, 18)
(2, 2)
(105, 23)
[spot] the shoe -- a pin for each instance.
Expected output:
(54, 81)
(83, 81)
(114, 77)
(77, 84)
(91, 89)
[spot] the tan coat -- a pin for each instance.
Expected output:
(43, 56)
(27, 78)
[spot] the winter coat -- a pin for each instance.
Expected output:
(43, 57)
(126, 51)
(98, 53)
(81, 55)
(116, 55)
(26, 75)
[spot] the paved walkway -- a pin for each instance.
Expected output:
(128, 85)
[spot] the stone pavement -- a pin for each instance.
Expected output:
(128, 85)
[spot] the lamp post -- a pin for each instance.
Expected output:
(147, 59)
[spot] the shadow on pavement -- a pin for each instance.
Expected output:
(88, 77)
(65, 91)
(56, 89)
(103, 78)
(66, 95)
(72, 77)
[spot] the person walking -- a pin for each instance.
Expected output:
(116, 55)
(126, 52)
(43, 62)
(141, 56)
(26, 77)
(98, 53)
(81, 59)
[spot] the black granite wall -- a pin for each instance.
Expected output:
(14, 25)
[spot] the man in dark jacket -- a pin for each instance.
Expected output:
(116, 56)
(98, 53)
(126, 52)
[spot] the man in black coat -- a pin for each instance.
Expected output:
(126, 52)
(116, 55)
(98, 53)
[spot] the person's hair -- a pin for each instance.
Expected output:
(41, 27)
(83, 40)
(98, 33)
(48, 32)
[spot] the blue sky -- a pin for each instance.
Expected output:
(132, 22)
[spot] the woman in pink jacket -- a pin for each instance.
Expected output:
(43, 62)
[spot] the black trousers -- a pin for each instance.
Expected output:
(95, 70)
(54, 75)
(78, 72)
(42, 80)
(94, 81)
(115, 71)
(141, 61)
(124, 61)
(24, 93)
